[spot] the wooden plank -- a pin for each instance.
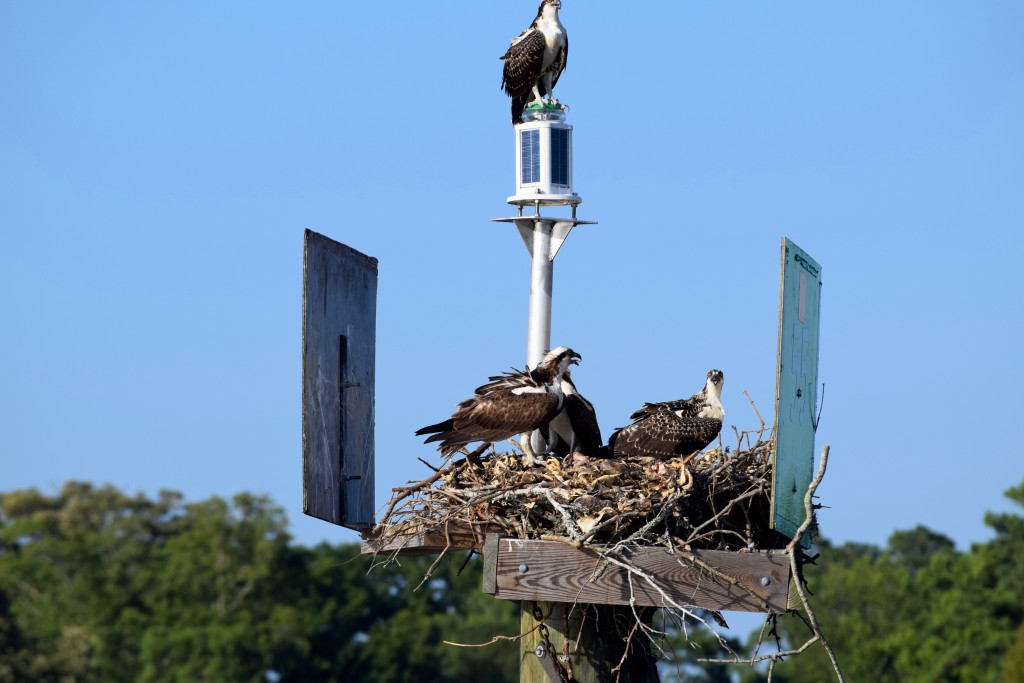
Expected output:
(420, 541)
(339, 298)
(490, 554)
(796, 393)
(556, 572)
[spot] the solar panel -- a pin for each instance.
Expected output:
(559, 156)
(530, 155)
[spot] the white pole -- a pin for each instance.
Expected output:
(538, 335)
(538, 339)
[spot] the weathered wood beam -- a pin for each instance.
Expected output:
(555, 572)
(417, 540)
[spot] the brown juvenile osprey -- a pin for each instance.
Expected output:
(512, 403)
(674, 428)
(576, 424)
(535, 60)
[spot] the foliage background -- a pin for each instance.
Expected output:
(98, 586)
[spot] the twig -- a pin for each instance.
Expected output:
(427, 464)
(795, 566)
(668, 601)
(495, 639)
(756, 412)
(403, 493)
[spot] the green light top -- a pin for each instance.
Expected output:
(545, 111)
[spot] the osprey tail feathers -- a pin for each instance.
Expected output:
(518, 107)
(437, 430)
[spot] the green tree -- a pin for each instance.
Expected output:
(219, 594)
(916, 611)
(683, 648)
(69, 574)
(99, 586)
(1013, 662)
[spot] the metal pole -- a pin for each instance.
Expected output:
(538, 333)
(538, 339)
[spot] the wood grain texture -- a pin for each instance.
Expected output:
(426, 541)
(339, 299)
(557, 572)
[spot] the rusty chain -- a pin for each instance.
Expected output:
(546, 652)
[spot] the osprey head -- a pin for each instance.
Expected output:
(558, 360)
(551, 5)
(713, 387)
(562, 353)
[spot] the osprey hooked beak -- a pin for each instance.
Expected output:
(574, 358)
(716, 376)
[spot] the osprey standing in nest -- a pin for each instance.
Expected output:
(535, 60)
(576, 424)
(512, 403)
(674, 428)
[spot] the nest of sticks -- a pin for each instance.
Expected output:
(718, 500)
(715, 500)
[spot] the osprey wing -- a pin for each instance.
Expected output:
(663, 435)
(524, 62)
(495, 416)
(558, 66)
(685, 407)
(583, 419)
(509, 379)
(509, 412)
(648, 410)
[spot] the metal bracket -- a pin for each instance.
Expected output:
(560, 229)
(547, 662)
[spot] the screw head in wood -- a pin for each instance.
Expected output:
(539, 651)
(523, 569)
(765, 581)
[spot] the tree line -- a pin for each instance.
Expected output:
(98, 586)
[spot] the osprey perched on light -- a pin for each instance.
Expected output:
(674, 428)
(535, 60)
(576, 424)
(511, 403)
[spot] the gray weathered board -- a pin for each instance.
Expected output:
(550, 571)
(796, 393)
(339, 318)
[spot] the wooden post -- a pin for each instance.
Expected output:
(588, 641)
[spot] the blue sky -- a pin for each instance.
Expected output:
(159, 162)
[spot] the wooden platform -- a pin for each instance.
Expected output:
(551, 571)
(417, 540)
(556, 572)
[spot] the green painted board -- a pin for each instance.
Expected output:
(796, 387)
